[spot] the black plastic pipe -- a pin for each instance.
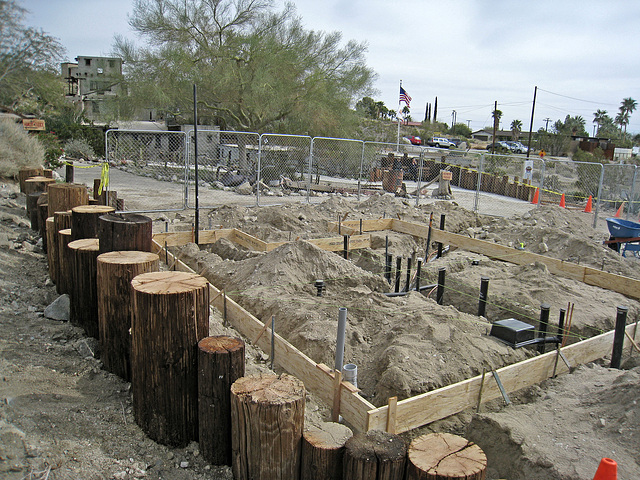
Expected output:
(398, 272)
(560, 333)
(346, 247)
(482, 302)
(418, 273)
(442, 271)
(442, 217)
(544, 323)
(402, 294)
(618, 336)
(408, 274)
(387, 273)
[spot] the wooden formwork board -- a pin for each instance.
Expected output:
(352, 227)
(332, 244)
(609, 281)
(437, 404)
(317, 377)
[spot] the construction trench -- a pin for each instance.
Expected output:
(264, 268)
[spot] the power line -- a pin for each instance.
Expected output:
(574, 98)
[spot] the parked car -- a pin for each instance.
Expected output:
(414, 140)
(517, 147)
(500, 147)
(440, 142)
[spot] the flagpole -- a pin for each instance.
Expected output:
(398, 116)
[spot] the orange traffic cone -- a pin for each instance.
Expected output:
(535, 196)
(587, 209)
(620, 210)
(562, 205)
(608, 470)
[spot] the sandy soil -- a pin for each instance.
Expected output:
(62, 416)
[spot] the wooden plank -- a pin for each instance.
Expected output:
(610, 281)
(248, 241)
(350, 227)
(333, 244)
(353, 407)
(438, 404)
(176, 239)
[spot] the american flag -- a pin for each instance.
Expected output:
(404, 96)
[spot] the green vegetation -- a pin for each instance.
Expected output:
(256, 69)
(17, 149)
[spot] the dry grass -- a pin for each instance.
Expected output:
(17, 149)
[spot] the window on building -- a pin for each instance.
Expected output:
(112, 63)
(87, 62)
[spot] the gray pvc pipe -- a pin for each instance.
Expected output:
(350, 374)
(342, 325)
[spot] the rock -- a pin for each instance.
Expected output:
(184, 464)
(4, 241)
(59, 309)
(244, 189)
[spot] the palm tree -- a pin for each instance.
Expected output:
(627, 107)
(622, 119)
(516, 128)
(599, 119)
(497, 115)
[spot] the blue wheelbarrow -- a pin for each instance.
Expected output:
(625, 235)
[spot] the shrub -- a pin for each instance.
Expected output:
(52, 149)
(17, 149)
(79, 148)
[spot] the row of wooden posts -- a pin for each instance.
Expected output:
(153, 330)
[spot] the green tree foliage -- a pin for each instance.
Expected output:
(516, 128)
(28, 64)
(460, 130)
(627, 107)
(256, 69)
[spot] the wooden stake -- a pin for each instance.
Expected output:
(337, 381)
(392, 414)
(633, 343)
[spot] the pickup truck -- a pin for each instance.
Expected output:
(440, 142)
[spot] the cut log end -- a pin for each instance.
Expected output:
(328, 435)
(220, 344)
(443, 455)
(93, 209)
(158, 283)
(270, 389)
(127, 257)
(85, 244)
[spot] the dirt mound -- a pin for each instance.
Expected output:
(574, 421)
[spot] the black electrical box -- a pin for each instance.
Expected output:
(513, 332)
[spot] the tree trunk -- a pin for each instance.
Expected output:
(84, 220)
(170, 315)
(36, 184)
(65, 196)
(439, 456)
(43, 213)
(84, 299)
(52, 248)
(26, 172)
(32, 209)
(124, 231)
(61, 221)
(374, 454)
(64, 264)
(220, 363)
(267, 417)
(322, 451)
(115, 272)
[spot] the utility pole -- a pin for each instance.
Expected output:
(533, 109)
(546, 124)
(469, 124)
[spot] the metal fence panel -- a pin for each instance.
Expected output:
(618, 186)
(336, 164)
(284, 164)
(148, 168)
(576, 180)
(227, 165)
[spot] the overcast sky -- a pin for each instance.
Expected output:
(582, 55)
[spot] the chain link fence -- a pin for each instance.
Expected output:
(252, 169)
(148, 169)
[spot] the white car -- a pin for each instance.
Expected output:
(441, 142)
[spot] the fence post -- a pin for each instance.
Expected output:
(542, 173)
(476, 202)
(310, 171)
(631, 194)
(258, 167)
(420, 167)
(595, 218)
(361, 171)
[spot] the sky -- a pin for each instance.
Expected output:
(582, 55)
